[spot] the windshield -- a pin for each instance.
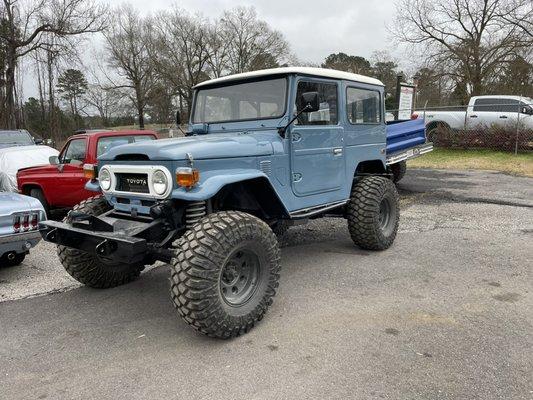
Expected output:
(107, 143)
(19, 138)
(241, 101)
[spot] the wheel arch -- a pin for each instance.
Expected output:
(27, 187)
(435, 124)
(371, 167)
(247, 190)
(256, 196)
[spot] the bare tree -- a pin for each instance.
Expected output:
(25, 27)
(254, 44)
(103, 100)
(521, 15)
(219, 45)
(180, 50)
(127, 42)
(470, 39)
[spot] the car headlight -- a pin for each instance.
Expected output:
(104, 178)
(159, 182)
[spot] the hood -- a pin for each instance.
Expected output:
(35, 170)
(210, 146)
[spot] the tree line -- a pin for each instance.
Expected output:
(149, 64)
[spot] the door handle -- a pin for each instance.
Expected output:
(337, 151)
(503, 116)
(473, 116)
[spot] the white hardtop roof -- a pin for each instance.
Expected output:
(321, 72)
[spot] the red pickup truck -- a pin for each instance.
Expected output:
(61, 184)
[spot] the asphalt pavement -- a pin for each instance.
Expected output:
(446, 313)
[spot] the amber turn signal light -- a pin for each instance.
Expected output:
(187, 177)
(89, 171)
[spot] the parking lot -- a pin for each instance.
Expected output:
(446, 313)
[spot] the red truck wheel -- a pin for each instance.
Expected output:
(39, 195)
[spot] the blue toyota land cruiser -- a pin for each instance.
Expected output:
(263, 150)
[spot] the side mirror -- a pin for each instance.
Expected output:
(37, 141)
(527, 110)
(309, 102)
(54, 160)
(178, 118)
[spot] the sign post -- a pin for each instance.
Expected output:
(405, 97)
(405, 103)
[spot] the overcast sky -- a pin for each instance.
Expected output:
(313, 28)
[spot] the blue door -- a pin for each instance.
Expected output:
(317, 142)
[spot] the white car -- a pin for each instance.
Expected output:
(12, 159)
(483, 111)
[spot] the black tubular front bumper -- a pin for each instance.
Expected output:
(111, 245)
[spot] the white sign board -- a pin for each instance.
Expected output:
(406, 102)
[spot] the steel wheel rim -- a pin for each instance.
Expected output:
(239, 277)
(384, 214)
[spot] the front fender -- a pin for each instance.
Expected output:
(212, 181)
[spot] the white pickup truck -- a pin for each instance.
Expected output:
(482, 111)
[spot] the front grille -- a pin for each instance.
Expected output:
(135, 183)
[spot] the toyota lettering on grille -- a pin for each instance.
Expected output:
(136, 181)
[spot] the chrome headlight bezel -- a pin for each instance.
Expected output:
(159, 182)
(104, 179)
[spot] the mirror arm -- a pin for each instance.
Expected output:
(283, 129)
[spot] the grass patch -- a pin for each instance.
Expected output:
(520, 164)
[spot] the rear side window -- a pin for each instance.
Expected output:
(497, 105)
(107, 143)
(363, 106)
(75, 152)
(327, 96)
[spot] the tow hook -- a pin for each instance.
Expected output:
(106, 247)
(51, 235)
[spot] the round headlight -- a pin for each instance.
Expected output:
(159, 182)
(104, 178)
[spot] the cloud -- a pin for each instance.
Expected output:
(314, 28)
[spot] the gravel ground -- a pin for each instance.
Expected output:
(446, 313)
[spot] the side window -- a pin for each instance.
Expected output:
(497, 105)
(510, 106)
(485, 105)
(363, 106)
(75, 152)
(327, 96)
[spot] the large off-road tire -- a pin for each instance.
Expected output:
(89, 269)
(12, 260)
(225, 273)
(39, 195)
(398, 171)
(373, 213)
